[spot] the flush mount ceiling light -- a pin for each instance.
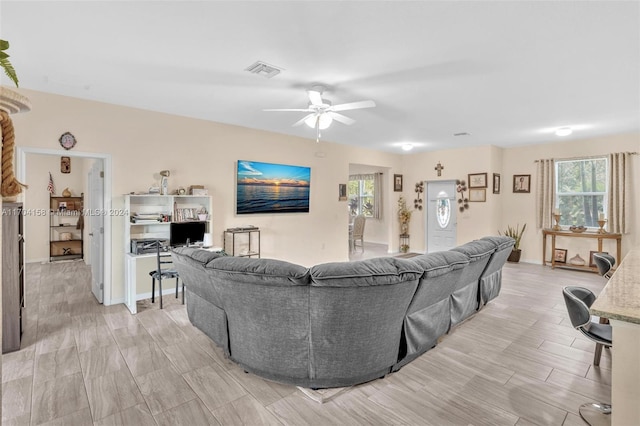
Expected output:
(564, 131)
(407, 146)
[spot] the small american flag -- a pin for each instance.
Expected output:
(50, 186)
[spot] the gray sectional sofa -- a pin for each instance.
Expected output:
(336, 324)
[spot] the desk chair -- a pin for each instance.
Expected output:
(163, 258)
(605, 263)
(578, 301)
(357, 232)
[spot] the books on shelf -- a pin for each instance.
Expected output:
(185, 214)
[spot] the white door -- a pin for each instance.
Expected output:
(442, 206)
(96, 228)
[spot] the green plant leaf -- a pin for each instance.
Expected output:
(9, 71)
(4, 44)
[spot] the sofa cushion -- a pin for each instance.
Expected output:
(440, 263)
(501, 242)
(476, 250)
(197, 254)
(259, 271)
(364, 273)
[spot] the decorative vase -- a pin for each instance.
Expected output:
(66, 193)
(404, 228)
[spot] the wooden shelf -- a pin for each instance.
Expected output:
(568, 234)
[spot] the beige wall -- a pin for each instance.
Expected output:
(508, 208)
(36, 198)
(142, 143)
(520, 208)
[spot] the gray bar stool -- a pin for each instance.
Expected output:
(578, 301)
(604, 262)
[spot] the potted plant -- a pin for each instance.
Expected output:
(5, 64)
(516, 234)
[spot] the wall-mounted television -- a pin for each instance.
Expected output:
(180, 232)
(271, 188)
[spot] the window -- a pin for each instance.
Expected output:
(581, 190)
(362, 195)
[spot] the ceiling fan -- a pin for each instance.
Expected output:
(322, 112)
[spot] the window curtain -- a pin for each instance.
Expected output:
(377, 195)
(545, 193)
(617, 206)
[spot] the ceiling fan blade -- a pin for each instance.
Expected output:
(315, 97)
(353, 105)
(290, 109)
(341, 118)
(301, 121)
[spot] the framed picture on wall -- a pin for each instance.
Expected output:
(560, 255)
(496, 183)
(477, 180)
(478, 195)
(342, 192)
(521, 183)
(397, 183)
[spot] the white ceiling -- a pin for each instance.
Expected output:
(508, 73)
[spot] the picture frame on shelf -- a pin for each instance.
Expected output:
(592, 261)
(478, 195)
(496, 183)
(521, 184)
(397, 183)
(477, 180)
(560, 255)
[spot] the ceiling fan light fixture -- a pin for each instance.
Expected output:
(324, 121)
(564, 131)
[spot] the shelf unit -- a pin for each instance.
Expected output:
(65, 228)
(12, 276)
(169, 207)
(242, 242)
(172, 208)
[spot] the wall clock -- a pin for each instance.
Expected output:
(67, 140)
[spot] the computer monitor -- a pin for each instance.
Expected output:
(180, 232)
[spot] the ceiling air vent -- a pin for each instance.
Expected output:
(263, 69)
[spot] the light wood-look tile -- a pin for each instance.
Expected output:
(57, 398)
(517, 361)
(164, 389)
(92, 337)
(79, 418)
(191, 413)
(130, 336)
(52, 365)
(138, 415)
(214, 386)
(145, 358)
(101, 360)
(16, 399)
(187, 357)
(111, 393)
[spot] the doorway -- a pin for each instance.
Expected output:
(100, 249)
(441, 216)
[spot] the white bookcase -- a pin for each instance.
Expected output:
(167, 208)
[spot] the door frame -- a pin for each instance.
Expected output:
(426, 204)
(21, 173)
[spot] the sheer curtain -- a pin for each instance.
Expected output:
(545, 193)
(617, 206)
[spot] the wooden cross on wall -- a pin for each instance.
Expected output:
(439, 168)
